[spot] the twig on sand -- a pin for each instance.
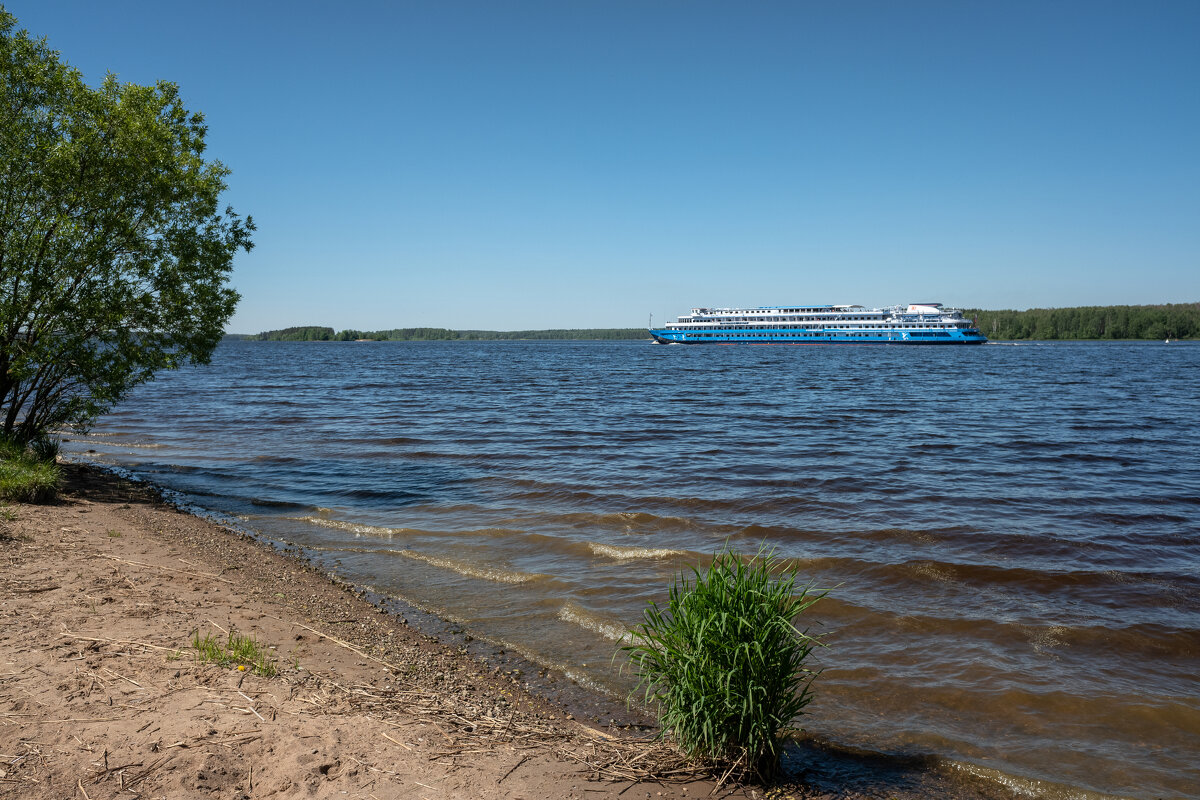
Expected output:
(110, 770)
(725, 777)
(338, 641)
(169, 569)
(79, 719)
(514, 769)
(141, 776)
(36, 590)
(70, 635)
(396, 741)
(635, 760)
(79, 785)
(251, 708)
(122, 677)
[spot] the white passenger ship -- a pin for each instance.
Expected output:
(917, 323)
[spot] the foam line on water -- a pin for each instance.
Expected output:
(472, 570)
(1031, 788)
(608, 628)
(351, 527)
(618, 553)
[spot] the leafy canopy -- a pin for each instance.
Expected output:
(114, 257)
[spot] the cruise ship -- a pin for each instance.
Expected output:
(916, 323)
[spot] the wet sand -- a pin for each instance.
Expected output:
(102, 694)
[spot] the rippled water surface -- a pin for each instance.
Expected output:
(1011, 530)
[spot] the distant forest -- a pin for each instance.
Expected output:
(1177, 321)
(313, 333)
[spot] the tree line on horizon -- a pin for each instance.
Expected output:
(317, 333)
(1172, 320)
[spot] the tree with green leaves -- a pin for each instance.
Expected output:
(114, 254)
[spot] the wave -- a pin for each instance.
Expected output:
(618, 553)
(351, 527)
(608, 628)
(395, 495)
(269, 458)
(266, 502)
(112, 441)
(1031, 788)
(1046, 582)
(392, 440)
(629, 521)
(360, 529)
(494, 574)
(1095, 638)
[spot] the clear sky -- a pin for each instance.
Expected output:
(585, 163)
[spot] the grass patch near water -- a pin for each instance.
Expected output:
(25, 479)
(235, 650)
(725, 663)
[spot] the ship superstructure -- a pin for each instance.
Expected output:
(916, 323)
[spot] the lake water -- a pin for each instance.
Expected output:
(1012, 531)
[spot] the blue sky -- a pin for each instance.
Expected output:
(513, 165)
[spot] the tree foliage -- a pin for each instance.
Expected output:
(314, 333)
(301, 333)
(1178, 321)
(114, 256)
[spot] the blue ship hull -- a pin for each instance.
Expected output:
(816, 337)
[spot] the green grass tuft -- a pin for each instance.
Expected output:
(236, 650)
(724, 662)
(44, 448)
(27, 480)
(28, 473)
(10, 448)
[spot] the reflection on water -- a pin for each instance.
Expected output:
(1012, 531)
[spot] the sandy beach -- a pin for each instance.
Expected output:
(102, 693)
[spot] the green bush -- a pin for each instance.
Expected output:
(10, 448)
(44, 448)
(724, 663)
(28, 480)
(28, 474)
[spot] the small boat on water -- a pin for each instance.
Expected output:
(917, 323)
